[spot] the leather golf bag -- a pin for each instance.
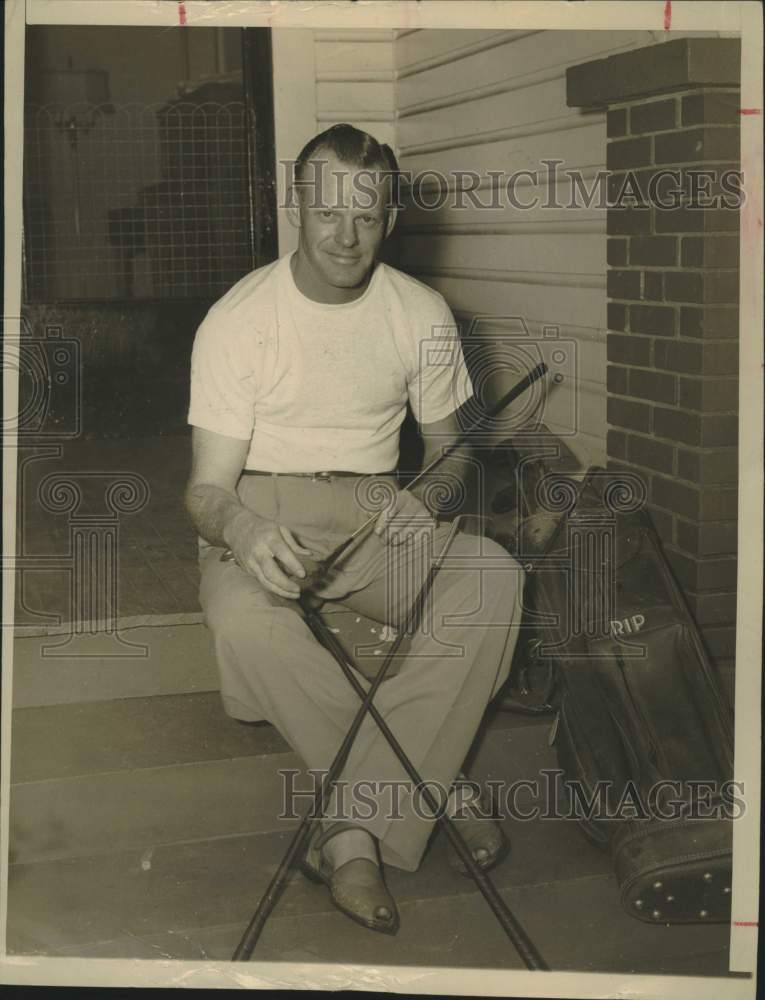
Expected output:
(643, 732)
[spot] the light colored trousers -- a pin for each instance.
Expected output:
(271, 665)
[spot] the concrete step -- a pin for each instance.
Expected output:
(576, 925)
(187, 886)
(104, 776)
(74, 817)
(152, 659)
(146, 771)
(129, 734)
(187, 901)
(153, 831)
(150, 654)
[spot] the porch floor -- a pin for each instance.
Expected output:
(157, 556)
(146, 827)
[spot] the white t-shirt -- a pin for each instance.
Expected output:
(318, 387)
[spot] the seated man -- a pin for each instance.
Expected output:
(306, 366)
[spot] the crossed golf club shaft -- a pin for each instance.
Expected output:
(509, 923)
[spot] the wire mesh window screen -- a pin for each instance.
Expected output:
(135, 201)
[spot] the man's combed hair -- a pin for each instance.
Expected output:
(352, 146)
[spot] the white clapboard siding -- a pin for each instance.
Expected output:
(484, 114)
(294, 113)
(341, 56)
(483, 101)
(355, 81)
(480, 101)
(502, 348)
(534, 252)
(554, 297)
(322, 77)
(515, 64)
(424, 50)
(361, 97)
(510, 147)
(546, 203)
(572, 353)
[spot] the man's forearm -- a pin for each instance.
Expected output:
(441, 489)
(216, 513)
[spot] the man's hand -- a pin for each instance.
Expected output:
(267, 550)
(405, 516)
(220, 517)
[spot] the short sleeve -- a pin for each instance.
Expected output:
(222, 392)
(441, 383)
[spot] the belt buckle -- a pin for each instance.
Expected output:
(321, 477)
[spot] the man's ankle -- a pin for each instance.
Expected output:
(349, 845)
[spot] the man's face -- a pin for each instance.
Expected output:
(343, 221)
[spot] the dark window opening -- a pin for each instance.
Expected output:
(142, 173)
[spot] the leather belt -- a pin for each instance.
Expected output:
(318, 477)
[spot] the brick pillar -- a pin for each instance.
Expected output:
(672, 290)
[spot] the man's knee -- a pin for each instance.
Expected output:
(486, 570)
(245, 618)
(253, 645)
(503, 570)
(493, 551)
